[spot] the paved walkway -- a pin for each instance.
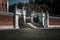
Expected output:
(30, 34)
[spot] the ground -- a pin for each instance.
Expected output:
(30, 34)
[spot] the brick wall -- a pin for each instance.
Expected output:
(6, 20)
(53, 21)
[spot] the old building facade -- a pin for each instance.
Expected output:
(3, 5)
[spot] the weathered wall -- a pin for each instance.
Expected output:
(54, 21)
(6, 20)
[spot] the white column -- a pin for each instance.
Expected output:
(43, 19)
(48, 20)
(24, 15)
(16, 21)
(32, 17)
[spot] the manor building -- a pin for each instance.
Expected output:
(4, 5)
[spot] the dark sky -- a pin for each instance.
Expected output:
(17, 1)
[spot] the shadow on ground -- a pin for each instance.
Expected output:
(30, 34)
